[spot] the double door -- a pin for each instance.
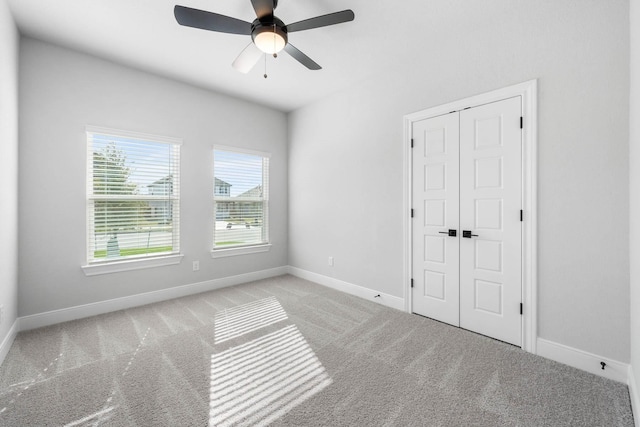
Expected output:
(467, 219)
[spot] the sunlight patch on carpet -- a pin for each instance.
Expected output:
(243, 319)
(257, 382)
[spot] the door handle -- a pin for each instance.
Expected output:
(451, 232)
(467, 234)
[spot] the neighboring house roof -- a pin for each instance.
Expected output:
(162, 181)
(162, 187)
(254, 192)
(221, 183)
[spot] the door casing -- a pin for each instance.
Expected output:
(528, 92)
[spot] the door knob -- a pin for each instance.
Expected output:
(467, 234)
(451, 232)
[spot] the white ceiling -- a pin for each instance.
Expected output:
(144, 34)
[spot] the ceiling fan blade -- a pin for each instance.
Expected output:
(247, 58)
(301, 57)
(264, 7)
(322, 21)
(210, 21)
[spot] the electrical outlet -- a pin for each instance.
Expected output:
(331, 261)
(196, 265)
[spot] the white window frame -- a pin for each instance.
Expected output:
(130, 263)
(251, 248)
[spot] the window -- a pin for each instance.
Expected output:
(133, 194)
(241, 201)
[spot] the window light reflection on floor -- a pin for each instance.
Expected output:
(259, 381)
(243, 319)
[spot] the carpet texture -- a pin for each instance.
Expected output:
(288, 352)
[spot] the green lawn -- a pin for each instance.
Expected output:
(228, 243)
(134, 251)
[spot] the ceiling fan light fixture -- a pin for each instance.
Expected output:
(269, 39)
(268, 33)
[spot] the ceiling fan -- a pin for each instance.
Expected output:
(269, 34)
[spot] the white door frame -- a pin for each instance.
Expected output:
(528, 92)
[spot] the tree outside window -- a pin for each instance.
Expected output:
(133, 194)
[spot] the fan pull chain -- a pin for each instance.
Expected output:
(275, 55)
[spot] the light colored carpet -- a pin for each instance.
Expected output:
(288, 352)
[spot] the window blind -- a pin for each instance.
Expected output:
(133, 195)
(240, 198)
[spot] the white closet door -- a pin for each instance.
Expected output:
(436, 209)
(490, 203)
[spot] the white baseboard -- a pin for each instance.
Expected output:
(8, 340)
(349, 288)
(78, 312)
(583, 360)
(634, 394)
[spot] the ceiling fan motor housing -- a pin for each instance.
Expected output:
(266, 25)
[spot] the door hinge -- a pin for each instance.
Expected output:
(521, 122)
(411, 213)
(521, 308)
(412, 283)
(521, 215)
(411, 142)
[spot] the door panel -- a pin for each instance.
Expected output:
(436, 210)
(490, 203)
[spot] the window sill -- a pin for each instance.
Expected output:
(244, 250)
(131, 264)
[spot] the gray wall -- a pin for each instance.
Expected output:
(634, 192)
(345, 154)
(61, 91)
(8, 169)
